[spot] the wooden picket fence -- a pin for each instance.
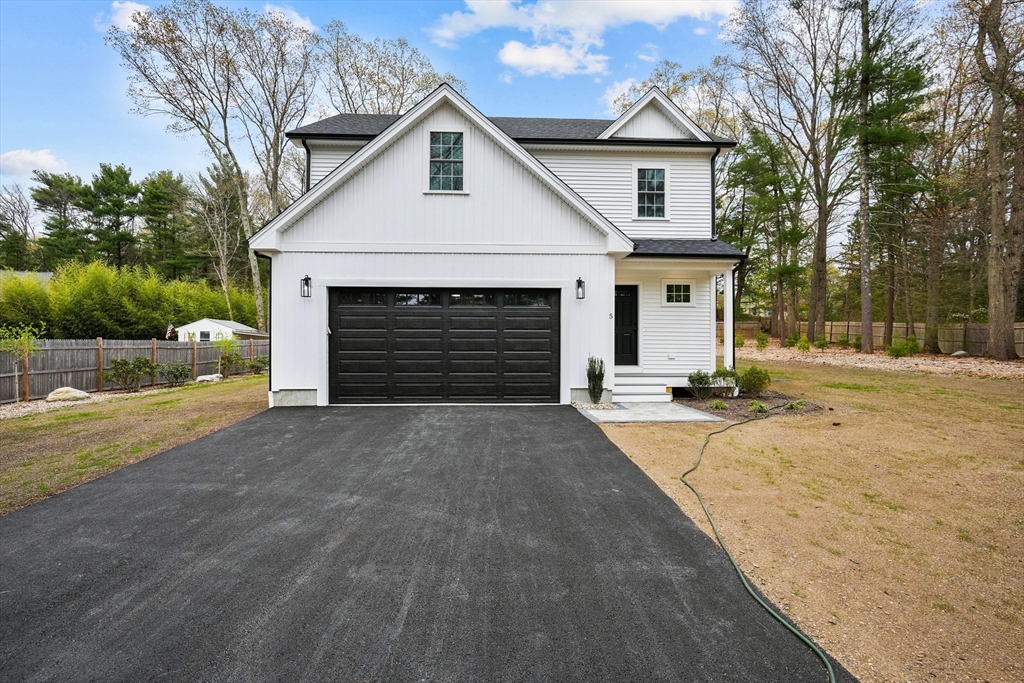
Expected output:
(77, 362)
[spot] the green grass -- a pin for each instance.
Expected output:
(850, 386)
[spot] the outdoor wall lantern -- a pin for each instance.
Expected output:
(306, 287)
(581, 288)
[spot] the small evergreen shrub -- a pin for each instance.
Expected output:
(795, 405)
(843, 341)
(904, 347)
(762, 340)
(718, 404)
(701, 383)
(175, 374)
(857, 343)
(821, 342)
(740, 341)
(757, 407)
(595, 379)
(754, 381)
(259, 365)
(127, 373)
(792, 340)
(724, 377)
(803, 346)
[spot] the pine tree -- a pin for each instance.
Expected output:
(165, 240)
(65, 238)
(112, 203)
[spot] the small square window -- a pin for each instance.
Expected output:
(677, 293)
(204, 336)
(446, 161)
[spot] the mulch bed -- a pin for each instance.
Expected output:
(739, 406)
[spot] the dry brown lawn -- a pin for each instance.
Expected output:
(889, 527)
(45, 453)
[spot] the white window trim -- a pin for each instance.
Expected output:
(465, 161)
(658, 165)
(677, 281)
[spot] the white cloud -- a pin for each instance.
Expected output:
(552, 59)
(701, 30)
(612, 92)
(21, 162)
(290, 15)
(506, 77)
(565, 33)
(120, 15)
(648, 53)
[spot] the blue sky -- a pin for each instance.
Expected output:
(62, 91)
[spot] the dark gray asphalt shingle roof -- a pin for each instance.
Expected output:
(691, 248)
(370, 125)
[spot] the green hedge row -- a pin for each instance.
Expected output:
(82, 301)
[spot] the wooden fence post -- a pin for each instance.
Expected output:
(99, 363)
(152, 357)
(250, 350)
(24, 379)
(195, 359)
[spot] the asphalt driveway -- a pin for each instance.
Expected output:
(380, 544)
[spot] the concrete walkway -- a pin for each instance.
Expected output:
(441, 543)
(648, 412)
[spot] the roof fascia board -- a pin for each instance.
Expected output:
(618, 241)
(654, 146)
(667, 106)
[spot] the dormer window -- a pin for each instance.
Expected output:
(650, 193)
(446, 162)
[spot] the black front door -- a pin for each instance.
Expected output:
(626, 325)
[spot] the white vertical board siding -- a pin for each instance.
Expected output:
(386, 202)
(299, 326)
(649, 122)
(680, 331)
(608, 182)
(324, 159)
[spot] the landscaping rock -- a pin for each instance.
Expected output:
(210, 378)
(66, 394)
(960, 354)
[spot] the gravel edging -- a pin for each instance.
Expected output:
(931, 363)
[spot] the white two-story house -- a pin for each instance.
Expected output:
(444, 256)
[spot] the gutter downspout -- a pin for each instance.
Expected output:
(308, 161)
(714, 191)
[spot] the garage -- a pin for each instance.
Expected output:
(422, 345)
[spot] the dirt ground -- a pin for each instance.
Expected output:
(44, 453)
(891, 528)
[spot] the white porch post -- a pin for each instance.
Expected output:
(729, 350)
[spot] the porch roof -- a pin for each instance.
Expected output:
(679, 248)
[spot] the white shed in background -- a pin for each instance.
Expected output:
(211, 329)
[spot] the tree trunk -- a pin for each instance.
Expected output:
(890, 294)
(1004, 246)
(936, 244)
(866, 334)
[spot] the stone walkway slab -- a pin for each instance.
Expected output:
(648, 412)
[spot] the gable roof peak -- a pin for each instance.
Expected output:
(656, 97)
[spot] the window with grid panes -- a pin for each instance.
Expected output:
(446, 161)
(650, 198)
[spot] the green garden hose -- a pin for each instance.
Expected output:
(739, 572)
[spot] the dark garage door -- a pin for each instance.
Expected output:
(421, 345)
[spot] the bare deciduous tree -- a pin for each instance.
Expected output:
(375, 76)
(275, 72)
(793, 59)
(181, 64)
(999, 51)
(214, 211)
